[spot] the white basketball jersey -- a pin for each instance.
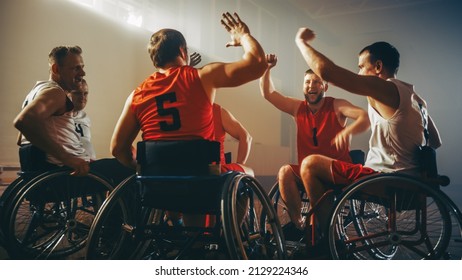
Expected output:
(60, 128)
(395, 141)
(82, 127)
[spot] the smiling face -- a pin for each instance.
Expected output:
(313, 88)
(80, 96)
(70, 73)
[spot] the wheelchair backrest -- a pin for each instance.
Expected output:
(177, 158)
(427, 162)
(33, 161)
(31, 158)
(357, 156)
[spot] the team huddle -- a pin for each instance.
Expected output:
(177, 102)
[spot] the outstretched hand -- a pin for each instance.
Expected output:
(235, 27)
(194, 59)
(305, 34)
(272, 60)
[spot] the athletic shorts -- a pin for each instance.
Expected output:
(231, 167)
(345, 173)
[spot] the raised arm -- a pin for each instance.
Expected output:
(250, 67)
(345, 110)
(384, 93)
(125, 132)
(234, 128)
(286, 104)
(30, 122)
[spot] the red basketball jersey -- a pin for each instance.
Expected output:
(173, 106)
(315, 132)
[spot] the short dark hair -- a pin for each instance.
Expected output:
(58, 54)
(309, 71)
(385, 52)
(164, 46)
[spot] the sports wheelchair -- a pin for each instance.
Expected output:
(173, 176)
(385, 216)
(47, 214)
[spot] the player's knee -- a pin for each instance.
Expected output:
(284, 172)
(310, 165)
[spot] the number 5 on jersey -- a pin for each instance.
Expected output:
(173, 112)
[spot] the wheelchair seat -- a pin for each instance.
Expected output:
(358, 156)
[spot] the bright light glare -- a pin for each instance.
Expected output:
(135, 20)
(126, 11)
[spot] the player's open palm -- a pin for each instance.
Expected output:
(235, 27)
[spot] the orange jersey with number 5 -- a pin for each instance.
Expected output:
(173, 106)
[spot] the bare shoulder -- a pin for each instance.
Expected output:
(226, 114)
(208, 75)
(53, 99)
(209, 68)
(54, 94)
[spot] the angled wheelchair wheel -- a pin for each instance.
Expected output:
(4, 202)
(454, 248)
(113, 235)
(245, 206)
(392, 216)
(13, 190)
(50, 217)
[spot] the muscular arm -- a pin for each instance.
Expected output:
(125, 132)
(234, 128)
(286, 104)
(360, 123)
(384, 93)
(250, 67)
(31, 123)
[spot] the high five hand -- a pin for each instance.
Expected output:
(235, 27)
